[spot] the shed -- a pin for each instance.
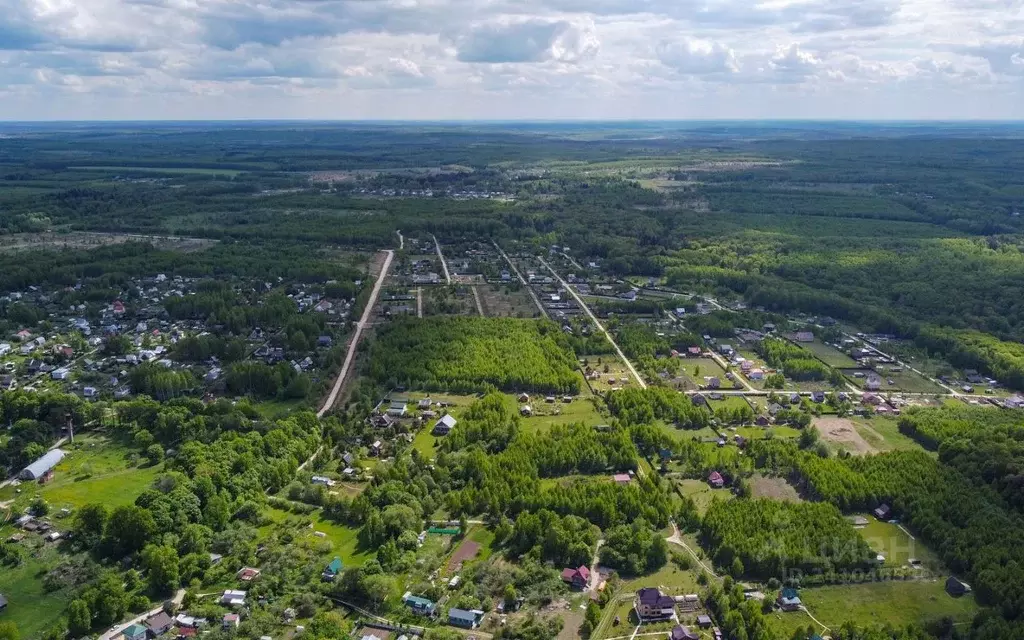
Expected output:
(44, 464)
(956, 587)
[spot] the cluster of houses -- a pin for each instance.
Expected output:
(464, 618)
(141, 317)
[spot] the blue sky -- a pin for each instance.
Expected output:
(508, 59)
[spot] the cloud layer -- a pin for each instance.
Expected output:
(432, 59)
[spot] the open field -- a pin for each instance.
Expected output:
(883, 434)
(30, 606)
(95, 470)
(898, 546)
(894, 602)
(829, 355)
(774, 488)
(760, 433)
(785, 624)
(702, 494)
(697, 369)
(901, 381)
(613, 372)
(545, 414)
(231, 173)
(729, 402)
(344, 540)
(92, 240)
(503, 301)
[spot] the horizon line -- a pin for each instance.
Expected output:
(529, 120)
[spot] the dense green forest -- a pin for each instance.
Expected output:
(466, 354)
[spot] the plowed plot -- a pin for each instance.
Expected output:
(466, 551)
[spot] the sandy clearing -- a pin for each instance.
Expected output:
(842, 432)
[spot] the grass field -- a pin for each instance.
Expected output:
(773, 488)
(898, 603)
(759, 433)
(95, 470)
(829, 355)
(702, 494)
(902, 381)
(30, 606)
(611, 368)
(546, 415)
(707, 433)
(174, 170)
(344, 540)
(697, 369)
(896, 545)
(884, 434)
(729, 402)
(425, 442)
(785, 624)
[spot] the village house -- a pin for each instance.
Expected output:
(652, 605)
(419, 606)
(247, 574)
(159, 624)
(883, 512)
(465, 619)
(716, 480)
(135, 632)
(332, 571)
(233, 598)
(396, 409)
(679, 632)
(444, 426)
(576, 578)
(804, 336)
(789, 600)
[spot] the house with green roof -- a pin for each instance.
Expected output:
(135, 632)
(332, 570)
(418, 605)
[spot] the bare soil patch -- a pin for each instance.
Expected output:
(466, 551)
(843, 433)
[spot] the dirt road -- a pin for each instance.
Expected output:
(444, 265)
(351, 355)
(597, 323)
(522, 280)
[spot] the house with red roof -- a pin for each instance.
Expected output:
(577, 578)
(716, 480)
